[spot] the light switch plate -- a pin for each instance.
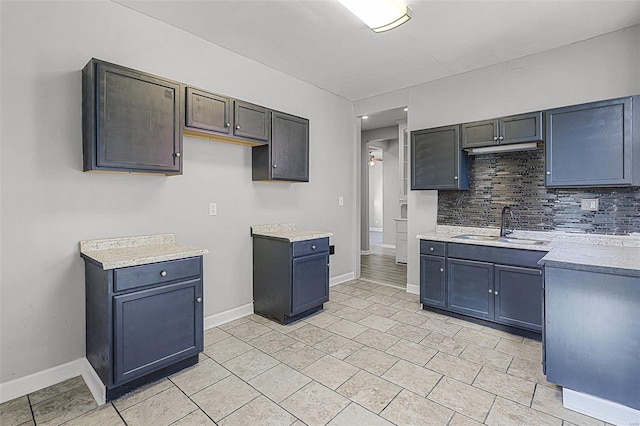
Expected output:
(589, 204)
(341, 200)
(213, 209)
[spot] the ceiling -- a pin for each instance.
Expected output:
(384, 119)
(322, 43)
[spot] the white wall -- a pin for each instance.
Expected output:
(391, 191)
(600, 68)
(376, 196)
(49, 204)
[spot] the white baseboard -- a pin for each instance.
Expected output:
(342, 279)
(226, 316)
(599, 408)
(389, 246)
(413, 288)
(40, 380)
(95, 385)
(365, 252)
(374, 229)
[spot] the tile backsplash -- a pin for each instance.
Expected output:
(517, 179)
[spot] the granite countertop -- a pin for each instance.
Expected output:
(596, 253)
(287, 231)
(115, 253)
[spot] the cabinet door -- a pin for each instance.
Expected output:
(470, 288)
(156, 327)
(518, 300)
(432, 281)
(521, 128)
(289, 147)
(589, 144)
(250, 121)
(436, 159)
(310, 286)
(480, 133)
(138, 121)
(207, 111)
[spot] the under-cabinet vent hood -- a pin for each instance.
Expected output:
(504, 148)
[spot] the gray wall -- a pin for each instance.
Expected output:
(376, 202)
(391, 192)
(49, 204)
(599, 68)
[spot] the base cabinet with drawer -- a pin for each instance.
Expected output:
(290, 279)
(143, 322)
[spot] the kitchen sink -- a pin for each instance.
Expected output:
(500, 239)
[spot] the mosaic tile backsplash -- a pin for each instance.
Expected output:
(517, 179)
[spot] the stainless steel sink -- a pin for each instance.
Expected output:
(478, 237)
(500, 239)
(520, 241)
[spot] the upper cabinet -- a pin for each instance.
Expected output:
(502, 131)
(207, 112)
(437, 161)
(286, 158)
(594, 144)
(130, 120)
(250, 121)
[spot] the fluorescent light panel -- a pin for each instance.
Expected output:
(379, 15)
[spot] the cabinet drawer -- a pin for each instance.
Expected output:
(433, 248)
(155, 273)
(302, 248)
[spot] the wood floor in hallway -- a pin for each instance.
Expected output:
(380, 266)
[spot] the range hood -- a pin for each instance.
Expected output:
(496, 149)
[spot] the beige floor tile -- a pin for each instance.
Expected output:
(322, 319)
(57, 389)
(461, 420)
(332, 307)
(279, 382)
(549, 401)
(248, 330)
(442, 327)
(298, 355)
(260, 411)
(509, 413)
(457, 368)
(250, 364)
(476, 337)
(356, 302)
(408, 332)
(381, 299)
(355, 415)
(198, 377)
(465, 323)
(63, 407)
(227, 325)
(485, 356)
(534, 343)
(371, 360)
(227, 349)
(223, 398)
(272, 342)
(460, 397)
(142, 393)
(519, 350)
(351, 314)
(197, 418)
(410, 318)
(214, 335)
(15, 412)
(387, 290)
(429, 314)
(330, 371)
(346, 328)
(410, 409)
(338, 297)
(377, 339)
(338, 346)
(285, 329)
(381, 310)
(315, 404)
(161, 409)
(370, 391)
(529, 370)
(360, 293)
(412, 377)
(310, 334)
(444, 344)
(505, 385)
(406, 305)
(101, 416)
(409, 297)
(502, 334)
(412, 352)
(258, 318)
(377, 322)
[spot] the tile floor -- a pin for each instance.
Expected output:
(372, 357)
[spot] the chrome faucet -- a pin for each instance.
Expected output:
(503, 220)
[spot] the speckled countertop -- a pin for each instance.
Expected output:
(115, 253)
(595, 253)
(287, 231)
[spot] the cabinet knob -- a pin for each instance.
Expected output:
(313, 247)
(548, 173)
(455, 178)
(495, 292)
(238, 126)
(501, 138)
(495, 138)
(441, 270)
(177, 154)
(275, 165)
(490, 291)
(328, 264)
(430, 248)
(199, 300)
(163, 273)
(227, 124)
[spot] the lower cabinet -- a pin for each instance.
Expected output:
(432, 281)
(143, 321)
(290, 279)
(470, 288)
(518, 294)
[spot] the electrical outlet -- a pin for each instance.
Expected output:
(589, 204)
(341, 200)
(213, 209)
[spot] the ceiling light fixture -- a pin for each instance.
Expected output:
(379, 15)
(365, 117)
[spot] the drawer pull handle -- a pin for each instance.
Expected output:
(199, 300)
(313, 247)
(163, 273)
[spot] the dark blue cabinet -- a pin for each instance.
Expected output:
(432, 281)
(207, 112)
(470, 289)
(518, 299)
(503, 131)
(251, 121)
(437, 161)
(290, 279)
